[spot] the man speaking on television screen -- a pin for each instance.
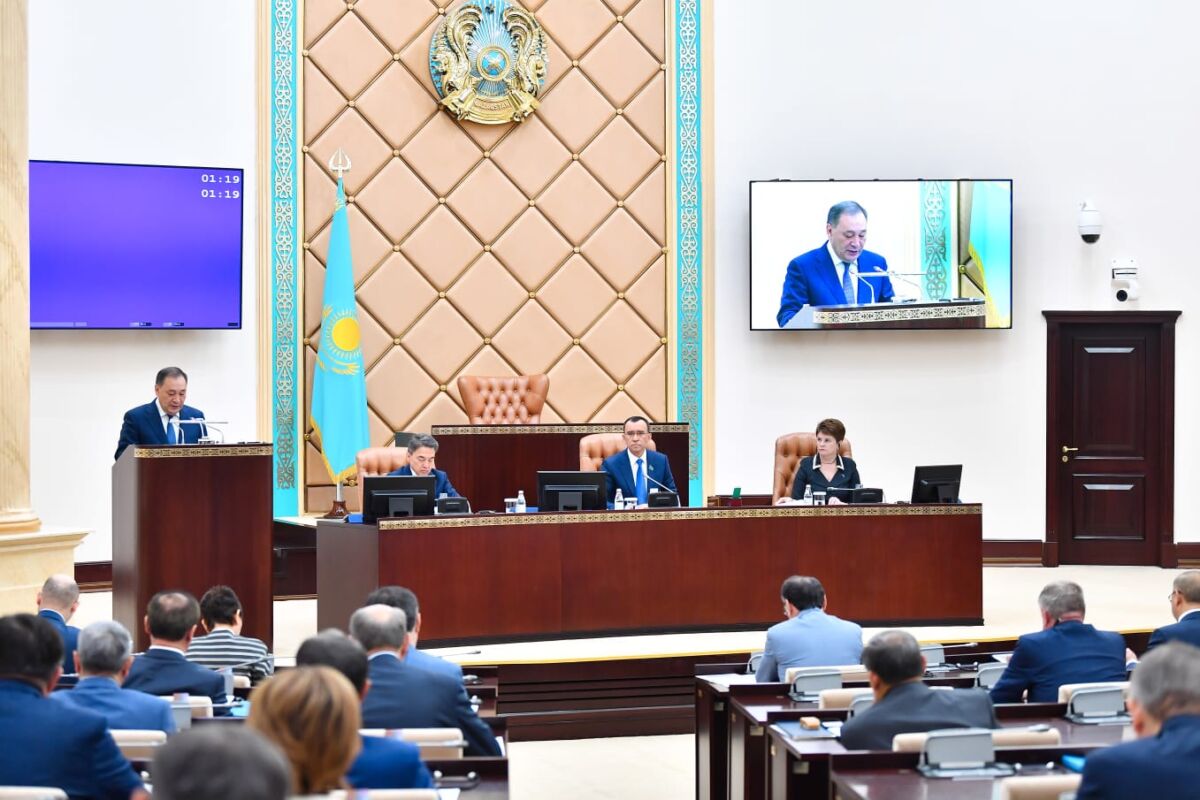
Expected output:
(157, 422)
(838, 272)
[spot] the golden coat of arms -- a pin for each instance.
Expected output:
(488, 61)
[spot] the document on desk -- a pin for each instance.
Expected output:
(794, 730)
(727, 679)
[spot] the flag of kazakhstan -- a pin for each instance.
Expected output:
(339, 397)
(990, 248)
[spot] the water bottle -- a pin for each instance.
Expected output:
(521, 501)
(808, 498)
(618, 501)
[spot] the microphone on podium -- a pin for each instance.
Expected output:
(854, 273)
(666, 488)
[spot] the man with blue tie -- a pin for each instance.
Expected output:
(637, 470)
(1185, 606)
(57, 602)
(422, 457)
(840, 272)
(103, 660)
(158, 422)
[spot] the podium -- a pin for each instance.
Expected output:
(962, 313)
(191, 517)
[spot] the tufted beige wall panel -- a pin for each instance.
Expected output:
(492, 250)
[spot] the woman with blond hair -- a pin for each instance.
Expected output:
(312, 715)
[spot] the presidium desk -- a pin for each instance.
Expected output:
(561, 575)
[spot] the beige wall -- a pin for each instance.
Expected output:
(493, 250)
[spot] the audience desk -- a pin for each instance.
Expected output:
(506, 577)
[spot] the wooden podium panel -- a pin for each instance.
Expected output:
(488, 463)
(190, 517)
(506, 577)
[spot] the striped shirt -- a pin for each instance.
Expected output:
(223, 648)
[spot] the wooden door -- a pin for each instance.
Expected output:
(1110, 433)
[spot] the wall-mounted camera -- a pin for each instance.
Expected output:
(1090, 222)
(1125, 281)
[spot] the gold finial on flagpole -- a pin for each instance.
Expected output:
(339, 162)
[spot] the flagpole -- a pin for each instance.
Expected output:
(339, 163)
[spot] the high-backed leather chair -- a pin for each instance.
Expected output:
(789, 449)
(504, 401)
(595, 447)
(380, 460)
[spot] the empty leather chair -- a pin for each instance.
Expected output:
(1038, 787)
(595, 447)
(789, 449)
(1001, 737)
(504, 401)
(380, 460)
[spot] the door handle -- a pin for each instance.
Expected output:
(1069, 449)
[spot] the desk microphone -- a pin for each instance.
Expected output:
(203, 423)
(858, 277)
(660, 483)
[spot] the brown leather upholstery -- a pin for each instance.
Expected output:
(380, 460)
(504, 401)
(789, 449)
(595, 447)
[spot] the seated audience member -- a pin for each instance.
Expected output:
(43, 743)
(422, 455)
(103, 660)
(171, 619)
(312, 715)
(220, 763)
(1185, 606)
(1164, 701)
(903, 704)
(406, 600)
(223, 645)
(1066, 650)
(809, 637)
(57, 602)
(382, 763)
(403, 696)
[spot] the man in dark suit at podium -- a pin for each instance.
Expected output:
(838, 272)
(157, 422)
(637, 470)
(1185, 606)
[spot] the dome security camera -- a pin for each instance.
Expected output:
(1090, 222)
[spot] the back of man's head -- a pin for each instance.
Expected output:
(59, 593)
(219, 605)
(397, 597)
(894, 656)
(1188, 586)
(30, 649)
(1166, 682)
(104, 647)
(220, 762)
(379, 627)
(332, 648)
(803, 592)
(172, 615)
(1061, 598)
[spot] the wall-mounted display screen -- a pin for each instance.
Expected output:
(850, 255)
(134, 246)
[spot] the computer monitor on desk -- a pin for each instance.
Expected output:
(572, 491)
(936, 484)
(397, 496)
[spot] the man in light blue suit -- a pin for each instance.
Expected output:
(838, 272)
(1164, 702)
(637, 471)
(422, 454)
(1185, 606)
(406, 600)
(809, 637)
(102, 660)
(57, 602)
(157, 422)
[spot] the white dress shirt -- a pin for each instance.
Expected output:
(166, 420)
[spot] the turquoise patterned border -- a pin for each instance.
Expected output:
(284, 180)
(938, 265)
(689, 234)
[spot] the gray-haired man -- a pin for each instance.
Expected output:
(102, 659)
(422, 455)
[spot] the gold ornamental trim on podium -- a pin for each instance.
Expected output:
(202, 451)
(901, 314)
(610, 517)
(607, 427)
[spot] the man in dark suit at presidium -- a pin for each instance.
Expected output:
(422, 462)
(637, 470)
(157, 422)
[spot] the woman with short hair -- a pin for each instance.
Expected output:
(827, 468)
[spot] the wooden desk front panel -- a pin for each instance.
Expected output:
(552, 575)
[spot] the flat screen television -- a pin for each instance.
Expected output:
(386, 496)
(134, 246)
(572, 491)
(937, 484)
(920, 254)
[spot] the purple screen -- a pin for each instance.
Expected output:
(131, 246)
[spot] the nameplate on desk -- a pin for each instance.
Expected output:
(201, 450)
(501, 430)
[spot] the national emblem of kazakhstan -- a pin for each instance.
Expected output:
(488, 61)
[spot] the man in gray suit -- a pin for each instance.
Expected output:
(903, 704)
(809, 637)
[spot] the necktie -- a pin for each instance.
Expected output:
(639, 485)
(847, 283)
(171, 439)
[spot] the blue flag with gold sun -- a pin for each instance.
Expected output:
(339, 395)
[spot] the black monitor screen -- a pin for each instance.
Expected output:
(572, 491)
(936, 484)
(397, 496)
